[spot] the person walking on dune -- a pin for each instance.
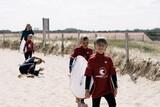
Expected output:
(28, 30)
(24, 42)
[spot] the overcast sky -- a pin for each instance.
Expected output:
(81, 14)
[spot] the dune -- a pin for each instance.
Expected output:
(52, 88)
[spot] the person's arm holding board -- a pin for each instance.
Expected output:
(73, 56)
(22, 36)
(70, 64)
(114, 78)
(87, 85)
(88, 74)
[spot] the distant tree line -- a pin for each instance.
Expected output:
(5, 31)
(152, 33)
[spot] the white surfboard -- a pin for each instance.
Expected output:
(21, 48)
(77, 80)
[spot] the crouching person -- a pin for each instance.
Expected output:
(28, 67)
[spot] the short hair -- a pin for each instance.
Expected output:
(100, 40)
(30, 35)
(84, 38)
(28, 25)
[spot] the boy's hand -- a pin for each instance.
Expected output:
(69, 75)
(42, 60)
(41, 69)
(115, 92)
(87, 94)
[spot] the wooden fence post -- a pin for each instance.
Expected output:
(78, 38)
(45, 24)
(127, 47)
(96, 35)
(3, 40)
(62, 45)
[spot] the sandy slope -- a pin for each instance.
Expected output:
(52, 89)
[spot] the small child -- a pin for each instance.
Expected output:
(101, 68)
(29, 47)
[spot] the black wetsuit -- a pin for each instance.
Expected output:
(28, 67)
(25, 34)
(109, 97)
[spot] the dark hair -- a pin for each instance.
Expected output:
(101, 40)
(84, 38)
(39, 60)
(28, 25)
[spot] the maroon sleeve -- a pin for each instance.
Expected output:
(89, 69)
(91, 52)
(25, 46)
(112, 68)
(75, 53)
(33, 46)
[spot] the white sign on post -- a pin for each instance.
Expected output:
(46, 24)
(45, 30)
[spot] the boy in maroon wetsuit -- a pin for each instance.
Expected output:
(84, 51)
(29, 47)
(101, 68)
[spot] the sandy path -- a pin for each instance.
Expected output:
(52, 89)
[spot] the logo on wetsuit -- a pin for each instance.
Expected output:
(29, 45)
(102, 73)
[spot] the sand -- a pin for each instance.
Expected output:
(52, 89)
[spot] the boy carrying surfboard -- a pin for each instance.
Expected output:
(82, 50)
(101, 68)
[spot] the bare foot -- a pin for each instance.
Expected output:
(19, 76)
(41, 73)
(30, 76)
